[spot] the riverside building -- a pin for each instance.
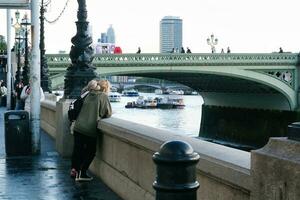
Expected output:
(170, 34)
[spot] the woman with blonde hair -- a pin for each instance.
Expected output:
(104, 86)
(96, 106)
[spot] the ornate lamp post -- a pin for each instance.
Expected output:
(212, 41)
(25, 72)
(45, 81)
(18, 39)
(80, 72)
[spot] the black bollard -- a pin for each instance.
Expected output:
(176, 171)
(294, 131)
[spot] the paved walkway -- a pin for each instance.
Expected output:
(44, 177)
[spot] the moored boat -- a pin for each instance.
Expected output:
(158, 91)
(178, 103)
(148, 102)
(114, 97)
(142, 102)
(170, 102)
(130, 104)
(130, 93)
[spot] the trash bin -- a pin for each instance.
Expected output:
(17, 134)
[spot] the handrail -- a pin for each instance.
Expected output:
(176, 59)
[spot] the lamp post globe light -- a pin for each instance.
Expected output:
(80, 72)
(45, 81)
(212, 41)
(25, 73)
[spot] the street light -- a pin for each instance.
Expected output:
(45, 81)
(26, 69)
(212, 41)
(18, 39)
(80, 72)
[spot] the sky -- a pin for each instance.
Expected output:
(246, 26)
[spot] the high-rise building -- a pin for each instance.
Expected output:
(110, 35)
(106, 43)
(170, 34)
(103, 38)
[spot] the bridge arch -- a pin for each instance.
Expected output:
(239, 73)
(254, 73)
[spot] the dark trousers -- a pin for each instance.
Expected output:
(84, 151)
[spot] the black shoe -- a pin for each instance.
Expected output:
(83, 177)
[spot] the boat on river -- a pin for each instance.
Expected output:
(142, 102)
(170, 102)
(148, 102)
(114, 97)
(130, 93)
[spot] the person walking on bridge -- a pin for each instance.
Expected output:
(96, 106)
(188, 50)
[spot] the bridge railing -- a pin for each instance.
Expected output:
(199, 59)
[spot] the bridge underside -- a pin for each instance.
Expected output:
(212, 82)
(227, 91)
(220, 90)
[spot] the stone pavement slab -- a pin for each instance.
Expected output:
(44, 177)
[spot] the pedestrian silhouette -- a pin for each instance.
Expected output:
(228, 50)
(139, 50)
(280, 50)
(182, 50)
(188, 50)
(172, 51)
(222, 50)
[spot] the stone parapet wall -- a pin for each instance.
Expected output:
(124, 162)
(275, 170)
(48, 116)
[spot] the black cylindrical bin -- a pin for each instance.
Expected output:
(294, 131)
(176, 171)
(17, 134)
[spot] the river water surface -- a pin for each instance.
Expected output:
(184, 121)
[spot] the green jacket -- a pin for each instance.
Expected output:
(95, 106)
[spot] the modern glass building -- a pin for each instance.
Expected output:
(106, 43)
(110, 35)
(170, 34)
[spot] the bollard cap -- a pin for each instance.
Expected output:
(176, 151)
(294, 131)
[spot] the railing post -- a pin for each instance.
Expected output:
(176, 171)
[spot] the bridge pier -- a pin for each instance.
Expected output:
(244, 128)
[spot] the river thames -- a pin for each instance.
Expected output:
(185, 121)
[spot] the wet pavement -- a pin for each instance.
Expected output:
(44, 177)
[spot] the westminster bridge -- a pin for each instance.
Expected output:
(247, 97)
(269, 81)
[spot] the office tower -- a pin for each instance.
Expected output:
(170, 34)
(103, 38)
(110, 35)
